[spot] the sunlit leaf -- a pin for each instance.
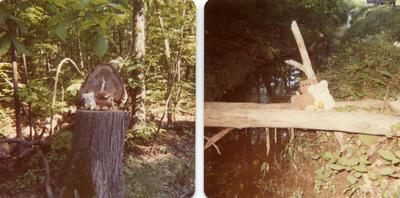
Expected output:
(386, 171)
(360, 168)
(351, 179)
(387, 155)
(101, 45)
(61, 31)
(368, 140)
(84, 3)
(21, 48)
(98, 2)
(5, 44)
(60, 3)
(336, 167)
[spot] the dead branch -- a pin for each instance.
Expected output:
(214, 145)
(23, 142)
(306, 67)
(217, 137)
(49, 190)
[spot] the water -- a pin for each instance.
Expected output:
(239, 171)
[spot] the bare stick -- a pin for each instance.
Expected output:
(23, 142)
(49, 190)
(306, 67)
(267, 140)
(53, 100)
(217, 137)
(215, 146)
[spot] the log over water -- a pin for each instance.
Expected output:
(244, 115)
(95, 164)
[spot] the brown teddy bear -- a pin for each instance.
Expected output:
(304, 99)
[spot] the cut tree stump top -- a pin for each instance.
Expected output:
(113, 82)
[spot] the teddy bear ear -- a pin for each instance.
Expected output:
(324, 83)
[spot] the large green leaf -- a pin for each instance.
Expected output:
(61, 31)
(387, 155)
(20, 47)
(368, 140)
(83, 3)
(98, 2)
(101, 46)
(60, 3)
(386, 171)
(5, 43)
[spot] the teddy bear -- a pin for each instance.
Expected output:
(104, 101)
(89, 101)
(323, 99)
(313, 96)
(303, 99)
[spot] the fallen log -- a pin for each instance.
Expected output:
(244, 115)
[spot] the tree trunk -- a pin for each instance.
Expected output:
(95, 162)
(138, 94)
(15, 88)
(169, 67)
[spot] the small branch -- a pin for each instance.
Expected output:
(49, 190)
(267, 140)
(23, 142)
(217, 137)
(215, 146)
(295, 64)
(53, 100)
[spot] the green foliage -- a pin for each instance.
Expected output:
(62, 141)
(143, 133)
(370, 69)
(6, 121)
(154, 179)
(254, 38)
(365, 63)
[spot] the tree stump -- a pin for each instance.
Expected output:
(94, 166)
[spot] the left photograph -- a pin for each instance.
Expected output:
(97, 98)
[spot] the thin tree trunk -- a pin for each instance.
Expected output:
(17, 107)
(29, 104)
(138, 94)
(169, 68)
(80, 49)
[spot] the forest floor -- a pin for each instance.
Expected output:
(306, 171)
(168, 172)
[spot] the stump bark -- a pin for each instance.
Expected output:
(94, 166)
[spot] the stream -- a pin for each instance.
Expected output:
(236, 173)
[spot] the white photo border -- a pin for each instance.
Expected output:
(199, 149)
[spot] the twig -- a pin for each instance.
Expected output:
(49, 190)
(217, 137)
(53, 100)
(161, 120)
(267, 140)
(23, 142)
(214, 145)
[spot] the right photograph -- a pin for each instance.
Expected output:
(302, 98)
